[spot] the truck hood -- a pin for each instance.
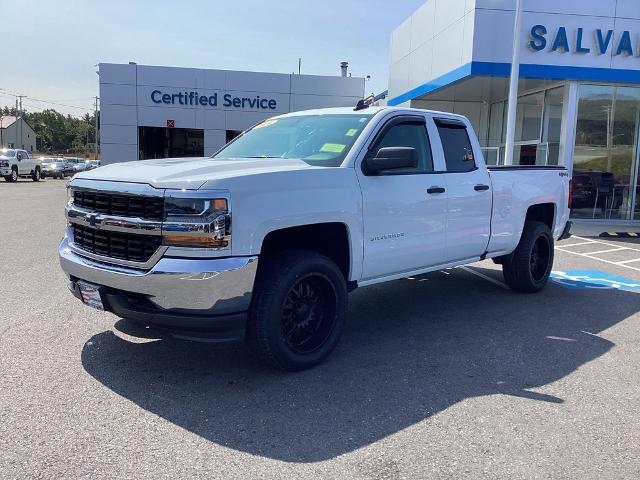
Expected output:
(189, 173)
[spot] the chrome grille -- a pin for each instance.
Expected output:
(131, 247)
(125, 205)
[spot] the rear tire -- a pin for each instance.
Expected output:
(35, 176)
(298, 310)
(528, 268)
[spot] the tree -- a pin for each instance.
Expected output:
(59, 133)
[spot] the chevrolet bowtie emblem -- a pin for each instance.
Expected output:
(92, 219)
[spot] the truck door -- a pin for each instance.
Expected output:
(29, 162)
(21, 162)
(404, 210)
(469, 190)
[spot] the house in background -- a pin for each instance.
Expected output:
(15, 132)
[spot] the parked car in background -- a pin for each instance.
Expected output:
(55, 168)
(16, 163)
(77, 164)
(92, 164)
(79, 167)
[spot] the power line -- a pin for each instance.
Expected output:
(85, 109)
(60, 104)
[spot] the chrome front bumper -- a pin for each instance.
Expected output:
(173, 287)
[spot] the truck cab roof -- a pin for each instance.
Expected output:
(369, 111)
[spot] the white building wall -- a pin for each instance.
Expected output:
(435, 39)
(444, 40)
(126, 101)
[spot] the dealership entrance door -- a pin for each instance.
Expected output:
(157, 142)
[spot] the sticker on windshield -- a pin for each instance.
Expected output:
(332, 147)
(266, 123)
(351, 132)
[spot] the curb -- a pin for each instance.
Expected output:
(620, 234)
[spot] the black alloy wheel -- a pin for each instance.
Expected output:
(539, 260)
(528, 268)
(309, 313)
(298, 309)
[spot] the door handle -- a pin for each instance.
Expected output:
(432, 190)
(481, 188)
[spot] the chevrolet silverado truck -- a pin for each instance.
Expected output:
(15, 163)
(263, 240)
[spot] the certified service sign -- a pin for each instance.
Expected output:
(194, 98)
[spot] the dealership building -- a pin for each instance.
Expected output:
(158, 112)
(579, 89)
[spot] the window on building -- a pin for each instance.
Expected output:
(158, 142)
(537, 133)
(529, 118)
(551, 127)
(231, 134)
(605, 170)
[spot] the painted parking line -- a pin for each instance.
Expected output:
(588, 240)
(605, 251)
(600, 259)
(576, 244)
(486, 277)
(631, 261)
(612, 248)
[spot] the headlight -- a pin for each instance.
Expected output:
(196, 220)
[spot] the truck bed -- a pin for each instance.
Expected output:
(515, 189)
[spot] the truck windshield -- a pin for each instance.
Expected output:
(7, 152)
(322, 140)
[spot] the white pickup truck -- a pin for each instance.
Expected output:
(15, 163)
(263, 240)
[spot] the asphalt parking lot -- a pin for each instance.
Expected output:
(447, 375)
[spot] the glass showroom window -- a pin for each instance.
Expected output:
(605, 162)
(537, 135)
(495, 136)
(549, 151)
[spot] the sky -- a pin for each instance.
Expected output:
(52, 54)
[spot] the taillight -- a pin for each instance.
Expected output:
(570, 193)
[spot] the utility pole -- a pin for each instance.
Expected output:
(19, 100)
(513, 88)
(96, 134)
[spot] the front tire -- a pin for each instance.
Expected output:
(35, 176)
(298, 310)
(528, 268)
(13, 176)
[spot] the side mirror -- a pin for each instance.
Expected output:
(390, 158)
(19, 156)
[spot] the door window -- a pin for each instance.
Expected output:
(458, 154)
(408, 134)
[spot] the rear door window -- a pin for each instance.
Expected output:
(458, 153)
